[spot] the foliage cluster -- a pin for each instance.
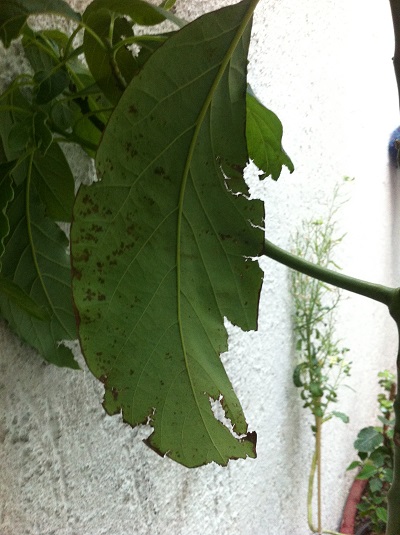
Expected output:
(375, 451)
(322, 366)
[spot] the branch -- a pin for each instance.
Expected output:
(383, 294)
(395, 8)
(393, 524)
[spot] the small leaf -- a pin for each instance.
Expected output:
(388, 475)
(375, 485)
(264, 139)
(382, 514)
(50, 84)
(20, 135)
(368, 439)
(168, 4)
(105, 68)
(297, 380)
(13, 15)
(367, 471)
(316, 390)
(378, 457)
(51, 77)
(354, 464)
(54, 181)
(345, 419)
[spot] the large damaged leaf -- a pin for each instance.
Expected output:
(162, 245)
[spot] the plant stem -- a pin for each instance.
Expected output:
(383, 294)
(395, 8)
(310, 492)
(393, 524)
(318, 431)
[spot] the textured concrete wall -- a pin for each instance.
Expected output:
(68, 469)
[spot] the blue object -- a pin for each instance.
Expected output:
(392, 149)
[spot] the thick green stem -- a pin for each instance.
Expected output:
(383, 294)
(393, 525)
(310, 492)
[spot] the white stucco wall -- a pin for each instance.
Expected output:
(68, 469)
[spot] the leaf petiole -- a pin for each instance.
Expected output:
(377, 292)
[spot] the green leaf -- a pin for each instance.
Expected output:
(381, 513)
(168, 4)
(367, 471)
(368, 439)
(36, 260)
(378, 457)
(162, 244)
(388, 475)
(345, 419)
(354, 464)
(54, 181)
(50, 84)
(20, 135)
(264, 139)
(107, 70)
(375, 485)
(316, 390)
(43, 54)
(16, 294)
(297, 380)
(13, 15)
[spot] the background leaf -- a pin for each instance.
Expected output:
(99, 15)
(161, 245)
(13, 15)
(36, 261)
(54, 181)
(15, 293)
(264, 139)
(368, 439)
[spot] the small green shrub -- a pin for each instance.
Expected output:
(374, 446)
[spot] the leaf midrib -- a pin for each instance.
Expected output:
(201, 118)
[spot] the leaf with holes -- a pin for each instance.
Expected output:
(162, 245)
